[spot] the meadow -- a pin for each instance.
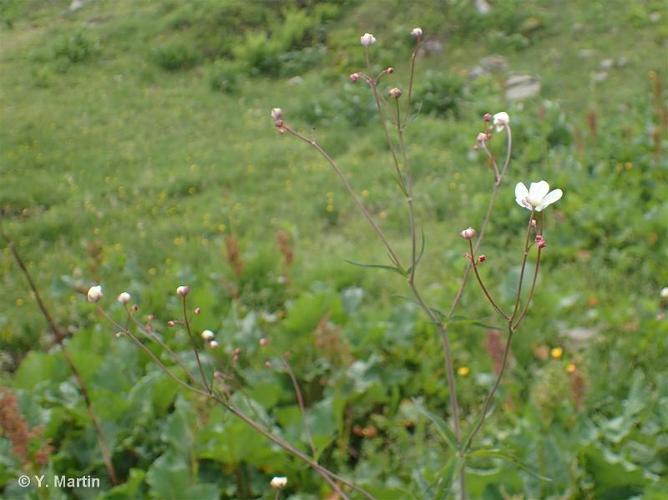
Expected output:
(137, 151)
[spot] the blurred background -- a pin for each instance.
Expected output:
(137, 151)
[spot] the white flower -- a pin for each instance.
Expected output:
(500, 120)
(183, 290)
(537, 197)
(664, 292)
(124, 298)
(95, 293)
(208, 335)
(367, 39)
(213, 344)
(279, 482)
(417, 32)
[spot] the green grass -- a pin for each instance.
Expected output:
(118, 167)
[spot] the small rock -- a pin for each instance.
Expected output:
(606, 64)
(655, 17)
(494, 63)
(599, 76)
(432, 47)
(520, 87)
(76, 5)
(482, 7)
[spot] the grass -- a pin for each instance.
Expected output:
(115, 170)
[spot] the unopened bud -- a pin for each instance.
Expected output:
(124, 298)
(183, 290)
(417, 32)
(135, 308)
(208, 335)
(95, 293)
(279, 482)
(540, 241)
(664, 292)
(197, 311)
(389, 70)
(367, 39)
(487, 117)
(533, 223)
(354, 77)
(267, 364)
(277, 114)
(395, 93)
(482, 258)
(467, 233)
(481, 138)
(213, 344)
(150, 317)
(264, 342)
(171, 323)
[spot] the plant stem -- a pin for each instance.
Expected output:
(194, 345)
(59, 337)
(482, 285)
(300, 402)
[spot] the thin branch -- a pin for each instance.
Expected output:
(193, 343)
(300, 402)
(482, 285)
(59, 336)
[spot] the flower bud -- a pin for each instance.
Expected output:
(467, 233)
(135, 308)
(395, 93)
(277, 114)
(664, 292)
(540, 241)
(417, 32)
(482, 258)
(264, 342)
(197, 311)
(208, 335)
(279, 482)
(501, 120)
(183, 290)
(171, 323)
(487, 117)
(213, 344)
(367, 39)
(354, 77)
(481, 138)
(124, 298)
(95, 293)
(389, 70)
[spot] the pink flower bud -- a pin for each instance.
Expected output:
(264, 342)
(183, 290)
(395, 93)
(389, 70)
(481, 138)
(171, 323)
(124, 298)
(467, 233)
(487, 117)
(277, 114)
(540, 241)
(417, 32)
(482, 258)
(213, 344)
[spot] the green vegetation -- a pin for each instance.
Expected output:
(137, 151)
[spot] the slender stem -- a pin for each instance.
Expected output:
(300, 402)
(482, 285)
(525, 254)
(59, 337)
(490, 395)
(313, 143)
(412, 74)
(531, 291)
(194, 344)
(209, 393)
(390, 144)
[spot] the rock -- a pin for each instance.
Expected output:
(520, 87)
(494, 63)
(482, 7)
(432, 47)
(599, 76)
(76, 5)
(606, 64)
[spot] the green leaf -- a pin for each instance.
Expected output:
(441, 426)
(129, 489)
(378, 266)
(450, 471)
(508, 457)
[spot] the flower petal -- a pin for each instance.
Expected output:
(521, 194)
(538, 190)
(552, 197)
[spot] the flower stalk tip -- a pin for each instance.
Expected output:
(94, 294)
